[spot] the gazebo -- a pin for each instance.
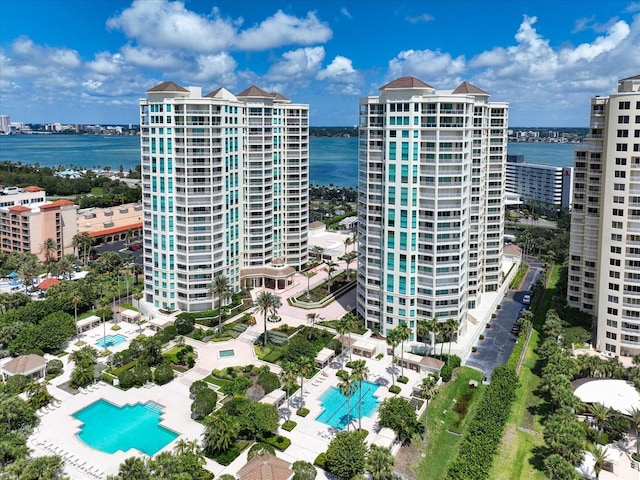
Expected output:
(275, 398)
(87, 324)
(31, 366)
(46, 283)
(266, 467)
(324, 356)
(130, 316)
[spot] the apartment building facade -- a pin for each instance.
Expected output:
(431, 186)
(547, 188)
(225, 191)
(604, 255)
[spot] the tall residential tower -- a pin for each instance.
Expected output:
(604, 255)
(225, 191)
(431, 183)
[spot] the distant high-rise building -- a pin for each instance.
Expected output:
(5, 125)
(225, 191)
(604, 255)
(547, 188)
(431, 186)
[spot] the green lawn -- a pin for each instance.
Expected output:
(514, 459)
(97, 191)
(442, 445)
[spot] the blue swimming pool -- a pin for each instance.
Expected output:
(110, 428)
(110, 341)
(335, 405)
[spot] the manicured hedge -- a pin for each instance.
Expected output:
(484, 433)
(289, 425)
(278, 441)
(302, 412)
(394, 389)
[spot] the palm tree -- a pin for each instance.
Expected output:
(312, 317)
(601, 414)
(360, 372)
(427, 392)
(309, 274)
(348, 258)
(76, 300)
(342, 327)
(304, 368)
(348, 387)
(403, 332)
(187, 447)
(29, 266)
(423, 332)
(220, 288)
(82, 244)
(393, 340)
(434, 328)
(634, 421)
(347, 241)
(133, 467)
(267, 303)
(317, 251)
(330, 268)
(599, 457)
(288, 376)
(49, 250)
(450, 327)
(380, 463)
(220, 432)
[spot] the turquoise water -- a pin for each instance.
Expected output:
(110, 428)
(226, 353)
(333, 160)
(110, 341)
(335, 405)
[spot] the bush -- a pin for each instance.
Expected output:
(163, 374)
(321, 460)
(481, 336)
(302, 412)
(474, 349)
(127, 379)
(203, 404)
(54, 367)
(141, 374)
(289, 425)
(254, 393)
(303, 470)
(379, 356)
(268, 381)
(395, 389)
(184, 324)
(226, 476)
(260, 449)
(403, 380)
(196, 387)
(278, 441)
(342, 374)
(225, 458)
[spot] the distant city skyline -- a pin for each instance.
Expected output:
(547, 59)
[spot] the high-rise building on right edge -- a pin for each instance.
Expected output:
(604, 255)
(431, 187)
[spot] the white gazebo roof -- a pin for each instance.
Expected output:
(365, 346)
(132, 314)
(87, 321)
(274, 397)
(619, 395)
(385, 438)
(324, 355)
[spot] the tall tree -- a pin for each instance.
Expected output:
(312, 317)
(403, 332)
(601, 414)
(221, 289)
(220, 432)
(267, 304)
(393, 340)
(330, 268)
(348, 258)
(348, 387)
(303, 368)
(308, 274)
(380, 463)
(288, 376)
(634, 421)
(28, 268)
(450, 328)
(599, 457)
(427, 392)
(49, 250)
(360, 372)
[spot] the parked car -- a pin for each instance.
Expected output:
(135, 246)
(526, 300)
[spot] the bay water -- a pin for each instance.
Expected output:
(333, 160)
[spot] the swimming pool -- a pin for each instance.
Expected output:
(335, 405)
(111, 341)
(226, 353)
(110, 428)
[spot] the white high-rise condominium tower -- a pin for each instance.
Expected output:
(604, 255)
(225, 192)
(431, 169)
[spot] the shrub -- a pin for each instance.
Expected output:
(379, 356)
(395, 389)
(254, 393)
(302, 412)
(203, 404)
(163, 374)
(289, 425)
(342, 374)
(184, 324)
(196, 387)
(403, 379)
(268, 381)
(225, 458)
(303, 470)
(346, 454)
(278, 441)
(54, 367)
(226, 476)
(260, 448)
(115, 328)
(126, 379)
(321, 460)
(481, 336)
(474, 349)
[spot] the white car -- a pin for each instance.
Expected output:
(526, 300)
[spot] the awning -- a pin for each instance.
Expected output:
(87, 321)
(385, 438)
(273, 398)
(324, 356)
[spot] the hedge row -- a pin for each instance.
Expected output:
(484, 433)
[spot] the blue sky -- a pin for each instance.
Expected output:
(89, 61)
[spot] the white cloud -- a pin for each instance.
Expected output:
(345, 12)
(423, 18)
(339, 70)
(149, 58)
(633, 7)
(165, 24)
(219, 68)
(588, 51)
(282, 29)
(425, 64)
(106, 63)
(296, 65)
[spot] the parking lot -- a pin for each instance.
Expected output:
(499, 340)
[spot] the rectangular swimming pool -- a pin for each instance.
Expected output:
(335, 405)
(226, 353)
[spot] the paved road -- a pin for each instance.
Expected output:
(116, 247)
(498, 341)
